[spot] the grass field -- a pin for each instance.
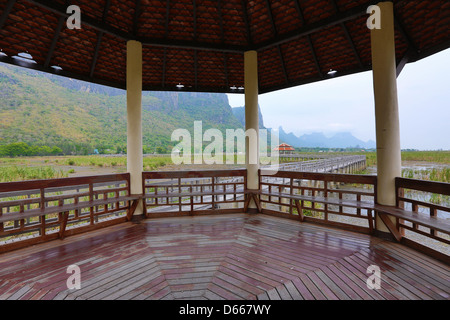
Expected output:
(27, 168)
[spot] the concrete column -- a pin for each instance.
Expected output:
(386, 107)
(134, 118)
(251, 120)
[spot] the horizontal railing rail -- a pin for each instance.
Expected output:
(168, 193)
(336, 199)
(39, 210)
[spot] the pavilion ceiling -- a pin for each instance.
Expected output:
(200, 43)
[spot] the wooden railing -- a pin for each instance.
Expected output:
(172, 193)
(39, 210)
(428, 202)
(335, 199)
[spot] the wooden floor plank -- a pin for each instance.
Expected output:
(229, 257)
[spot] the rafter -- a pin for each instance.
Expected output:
(194, 16)
(137, 13)
(6, 12)
(283, 64)
(219, 10)
(347, 34)
(164, 68)
(272, 22)
(166, 21)
(54, 41)
(99, 39)
(402, 63)
(308, 29)
(225, 64)
(195, 69)
(316, 61)
(404, 33)
(247, 24)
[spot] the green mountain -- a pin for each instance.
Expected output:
(47, 110)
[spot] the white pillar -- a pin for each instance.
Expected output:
(251, 120)
(386, 106)
(134, 118)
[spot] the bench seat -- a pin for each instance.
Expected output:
(66, 208)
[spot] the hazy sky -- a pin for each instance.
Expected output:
(347, 104)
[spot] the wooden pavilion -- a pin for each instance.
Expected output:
(234, 46)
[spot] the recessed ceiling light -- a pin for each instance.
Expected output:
(25, 55)
(56, 67)
(27, 60)
(332, 72)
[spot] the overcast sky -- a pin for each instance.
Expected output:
(346, 104)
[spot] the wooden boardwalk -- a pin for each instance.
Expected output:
(234, 256)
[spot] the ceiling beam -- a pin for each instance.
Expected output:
(6, 12)
(63, 73)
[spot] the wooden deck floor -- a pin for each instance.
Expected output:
(221, 257)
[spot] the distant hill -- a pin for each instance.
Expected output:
(313, 140)
(78, 117)
(239, 113)
(318, 139)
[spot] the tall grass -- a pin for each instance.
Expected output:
(434, 174)
(19, 173)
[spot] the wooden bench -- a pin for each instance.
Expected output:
(64, 210)
(297, 198)
(441, 225)
(413, 216)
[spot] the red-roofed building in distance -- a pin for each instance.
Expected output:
(284, 148)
